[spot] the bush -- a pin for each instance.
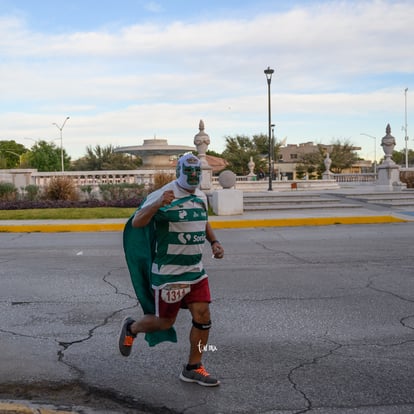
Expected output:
(61, 188)
(8, 192)
(161, 178)
(123, 191)
(26, 204)
(32, 192)
(87, 189)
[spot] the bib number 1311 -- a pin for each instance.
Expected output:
(174, 293)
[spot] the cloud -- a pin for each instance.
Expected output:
(340, 59)
(154, 7)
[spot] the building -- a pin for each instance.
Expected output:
(291, 154)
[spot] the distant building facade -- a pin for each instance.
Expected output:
(291, 154)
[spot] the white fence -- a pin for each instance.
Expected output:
(23, 177)
(96, 178)
(355, 178)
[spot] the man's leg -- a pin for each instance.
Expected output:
(200, 311)
(148, 323)
(151, 323)
(130, 329)
(194, 371)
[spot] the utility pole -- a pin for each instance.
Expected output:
(405, 129)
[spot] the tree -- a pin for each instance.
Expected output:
(11, 154)
(104, 158)
(240, 148)
(399, 157)
(342, 154)
(47, 157)
(312, 163)
(214, 153)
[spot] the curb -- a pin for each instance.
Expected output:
(13, 408)
(314, 221)
(61, 228)
(215, 224)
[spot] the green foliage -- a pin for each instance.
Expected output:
(239, 149)
(104, 158)
(67, 213)
(300, 171)
(8, 192)
(87, 189)
(10, 154)
(399, 157)
(32, 192)
(213, 153)
(312, 163)
(46, 156)
(123, 191)
(342, 154)
(61, 188)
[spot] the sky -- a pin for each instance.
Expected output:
(129, 70)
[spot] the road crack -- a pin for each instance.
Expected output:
(302, 365)
(65, 345)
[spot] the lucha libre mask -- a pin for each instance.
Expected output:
(188, 171)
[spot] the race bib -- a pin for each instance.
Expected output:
(174, 292)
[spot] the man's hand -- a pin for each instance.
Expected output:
(144, 215)
(217, 249)
(166, 198)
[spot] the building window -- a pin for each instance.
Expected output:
(293, 156)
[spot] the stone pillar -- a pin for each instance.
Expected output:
(202, 141)
(228, 201)
(388, 171)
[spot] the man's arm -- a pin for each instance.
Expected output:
(216, 247)
(145, 214)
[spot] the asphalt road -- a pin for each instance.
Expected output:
(305, 319)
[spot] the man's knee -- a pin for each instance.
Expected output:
(201, 316)
(200, 312)
(202, 326)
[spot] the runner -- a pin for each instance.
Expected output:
(178, 214)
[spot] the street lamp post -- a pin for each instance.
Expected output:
(273, 152)
(60, 128)
(269, 72)
(375, 150)
(405, 129)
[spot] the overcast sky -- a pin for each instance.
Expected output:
(129, 70)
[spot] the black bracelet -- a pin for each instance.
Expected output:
(214, 241)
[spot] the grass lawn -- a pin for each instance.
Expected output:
(66, 213)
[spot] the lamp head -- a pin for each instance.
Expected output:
(268, 72)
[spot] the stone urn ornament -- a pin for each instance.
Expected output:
(202, 141)
(389, 171)
(388, 144)
(327, 175)
(328, 162)
(250, 166)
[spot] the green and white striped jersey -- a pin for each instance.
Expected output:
(180, 233)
